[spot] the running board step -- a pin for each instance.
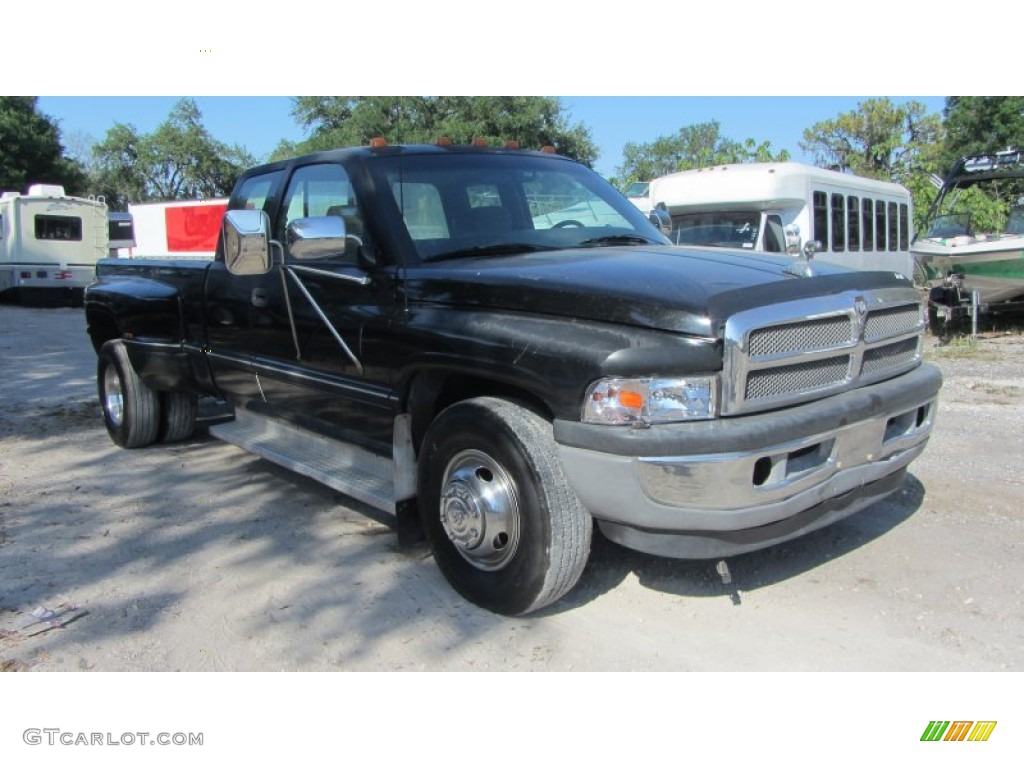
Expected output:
(344, 467)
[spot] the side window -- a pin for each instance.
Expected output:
(820, 218)
(323, 190)
(879, 225)
(58, 227)
(838, 217)
(853, 223)
(256, 190)
(894, 224)
(904, 227)
(868, 219)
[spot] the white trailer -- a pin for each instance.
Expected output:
(858, 222)
(50, 242)
(177, 229)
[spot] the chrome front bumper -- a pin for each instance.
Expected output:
(715, 488)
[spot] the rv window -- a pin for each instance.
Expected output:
(879, 225)
(58, 227)
(894, 224)
(838, 228)
(853, 222)
(869, 224)
(820, 218)
(904, 228)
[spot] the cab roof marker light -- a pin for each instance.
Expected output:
(378, 141)
(479, 141)
(548, 148)
(510, 144)
(443, 141)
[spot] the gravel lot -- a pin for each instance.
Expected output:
(199, 556)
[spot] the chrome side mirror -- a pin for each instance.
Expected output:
(317, 237)
(246, 236)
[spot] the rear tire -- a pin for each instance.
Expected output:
(177, 416)
(505, 527)
(131, 410)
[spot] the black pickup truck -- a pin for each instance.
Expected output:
(498, 347)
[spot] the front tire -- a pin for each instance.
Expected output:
(505, 527)
(131, 410)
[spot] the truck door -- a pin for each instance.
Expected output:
(315, 348)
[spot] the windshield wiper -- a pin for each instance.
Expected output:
(619, 240)
(498, 249)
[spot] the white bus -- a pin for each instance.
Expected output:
(858, 222)
(50, 242)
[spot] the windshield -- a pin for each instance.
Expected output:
(457, 205)
(723, 230)
(638, 189)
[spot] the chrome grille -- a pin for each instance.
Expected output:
(789, 353)
(802, 377)
(895, 355)
(801, 337)
(886, 323)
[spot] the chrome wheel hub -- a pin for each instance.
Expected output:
(480, 510)
(113, 398)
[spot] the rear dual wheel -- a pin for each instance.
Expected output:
(135, 415)
(505, 527)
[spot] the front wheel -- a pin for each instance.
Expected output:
(505, 527)
(131, 410)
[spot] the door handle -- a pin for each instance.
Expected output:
(259, 297)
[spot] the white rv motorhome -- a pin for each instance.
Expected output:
(50, 242)
(858, 222)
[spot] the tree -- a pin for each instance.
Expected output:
(693, 146)
(981, 124)
(343, 121)
(177, 161)
(31, 150)
(879, 139)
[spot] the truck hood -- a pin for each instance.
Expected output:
(687, 290)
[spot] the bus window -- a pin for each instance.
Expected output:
(894, 224)
(774, 234)
(853, 223)
(879, 225)
(820, 218)
(904, 228)
(838, 221)
(869, 221)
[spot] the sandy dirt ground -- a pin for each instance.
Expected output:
(199, 556)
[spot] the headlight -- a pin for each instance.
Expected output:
(650, 400)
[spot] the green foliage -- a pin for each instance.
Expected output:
(345, 121)
(177, 161)
(977, 124)
(31, 151)
(694, 146)
(879, 139)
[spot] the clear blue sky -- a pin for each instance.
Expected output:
(259, 122)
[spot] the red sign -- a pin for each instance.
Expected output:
(194, 228)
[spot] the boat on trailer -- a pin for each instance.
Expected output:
(975, 270)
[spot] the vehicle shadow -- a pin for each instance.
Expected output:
(610, 563)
